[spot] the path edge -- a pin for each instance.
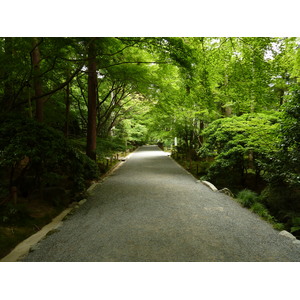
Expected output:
(23, 248)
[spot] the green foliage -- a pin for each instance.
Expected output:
(282, 171)
(285, 167)
(153, 90)
(49, 158)
(262, 211)
(109, 146)
(247, 198)
(240, 145)
(296, 224)
(252, 200)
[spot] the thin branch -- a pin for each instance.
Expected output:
(113, 104)
(81, 91)
(79, 107)
(107, 95)
(111, 54)
(50, 69)
(60, 86)
(135, 62)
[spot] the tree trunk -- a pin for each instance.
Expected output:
(29, 103)
(67, 110)
(8, 96)
(201, 139)
(92, 103)
(37, 83)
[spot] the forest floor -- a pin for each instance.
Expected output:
(151, 209)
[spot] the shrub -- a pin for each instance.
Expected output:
(240, 144)
(50, 158)
(296, 224)
(262, 211)
(247, 198)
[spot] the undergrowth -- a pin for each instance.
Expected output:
(251, 200)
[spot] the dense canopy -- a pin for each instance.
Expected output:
(229, 106)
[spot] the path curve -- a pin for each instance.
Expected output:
(151, 209)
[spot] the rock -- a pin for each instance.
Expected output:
(210, 185)
(227, 192)
(287, 234)
(82, 201)
(297, 242)
(91, 187)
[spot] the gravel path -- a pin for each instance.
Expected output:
(151, 209)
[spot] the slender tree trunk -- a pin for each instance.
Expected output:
(8, 85)
(201, 139)
(29, 103)
(92, 103)
(67, 110)
(37, 83)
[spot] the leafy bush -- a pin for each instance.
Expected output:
(247, 198)
(251, 200)
(47, 157)
(105, 146)
(262, 211)
(285, 166)
(240, 145)
(109, 146)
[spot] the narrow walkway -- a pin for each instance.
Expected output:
(151, 209)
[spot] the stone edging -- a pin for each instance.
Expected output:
(227, 192)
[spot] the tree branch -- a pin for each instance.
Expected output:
(79, 107)
(135, 62)
(60, 86)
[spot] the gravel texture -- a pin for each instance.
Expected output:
(150, 209)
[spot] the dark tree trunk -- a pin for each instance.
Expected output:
(201, 140)
(67, 110)
(8, 96)
(37, 83)
(92, 103)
